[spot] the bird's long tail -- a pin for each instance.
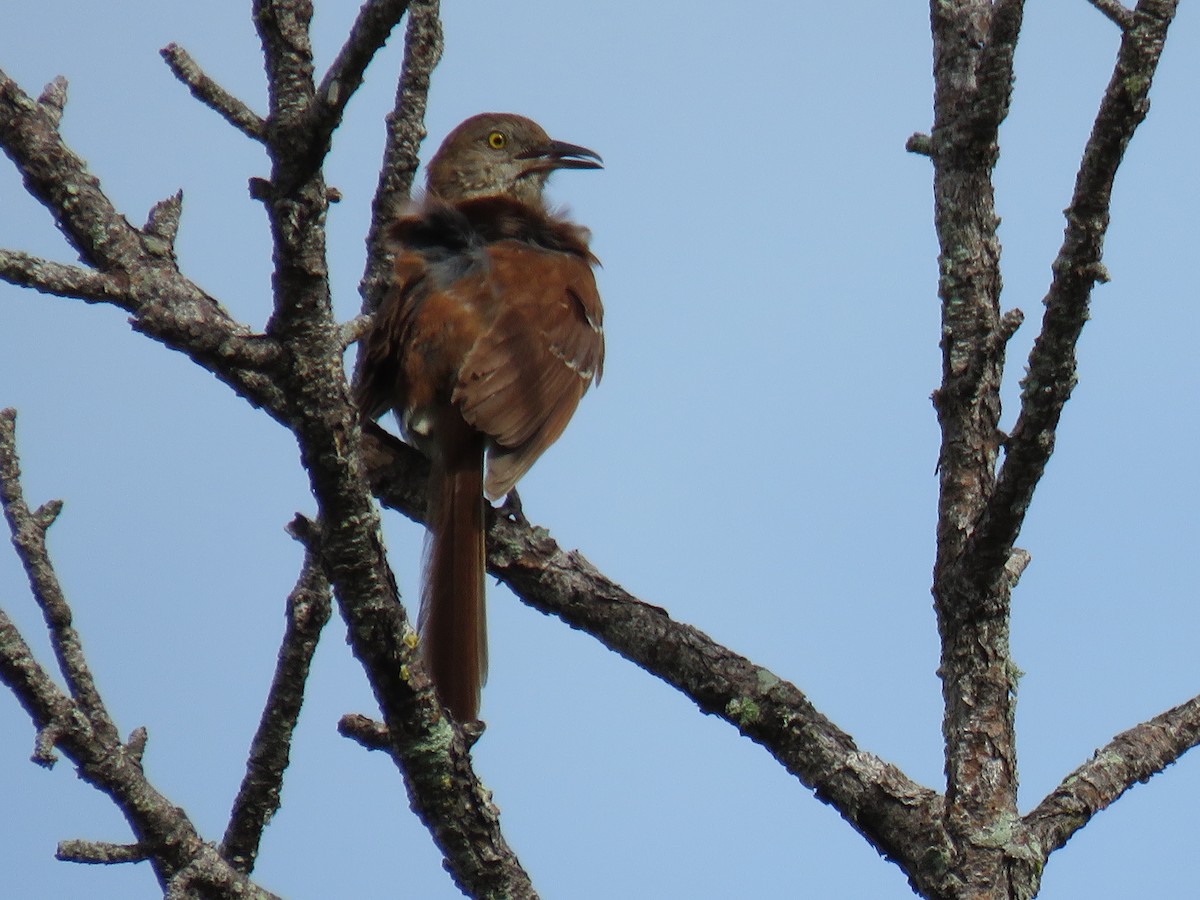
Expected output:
(452, 622)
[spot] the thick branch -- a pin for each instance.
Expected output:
(432, 755)
(897, 815)
(1131, 757)
(974, 44)
(166, 306)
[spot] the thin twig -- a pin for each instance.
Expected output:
(365, 731)
(212, 95)
(1118, 12)
(308, 607)
(53, 99)
(405, 131)
(63, 280)
(162, 225)
(370, 31)
(29, 537)
(99, 853)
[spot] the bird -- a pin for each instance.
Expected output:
(490, 333)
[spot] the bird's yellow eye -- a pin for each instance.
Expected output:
(496, 140)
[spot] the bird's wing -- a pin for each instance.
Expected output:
(522, 379)
(380, 378)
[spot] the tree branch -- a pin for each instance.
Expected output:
(1117, 12)
(1052, 364)
(405, 131)
(898, 816)
(308, 608)
(212, 95)
(368, 34)
(82, 728)
(974, 45)
(1129, 758)
(29, 538)
(62, 280)
(431, 753)
(99, 853)
(166, 306)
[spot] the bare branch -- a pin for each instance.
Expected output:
(368, 34)
(308, 609)
(431, 753)
(919, 143)
(894, 813)
(405, 131)
(53, 99)
(146, 280)
(162, 225)
(282, 27)
(974, 46)
(100, 853)
(1118, 12)
(206, 873)
(212, 95)
(353, 330)
(162, 829)
(63, 280)
(1131, 757)
(29, 538)
(1052, 364)
(365, 731)
(59, 180)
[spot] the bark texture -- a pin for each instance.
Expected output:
(964, 840)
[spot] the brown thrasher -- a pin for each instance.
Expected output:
(488, 337)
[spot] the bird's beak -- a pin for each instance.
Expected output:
(561, 155)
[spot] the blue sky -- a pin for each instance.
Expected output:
(759, 459)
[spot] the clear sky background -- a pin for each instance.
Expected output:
(759, 459)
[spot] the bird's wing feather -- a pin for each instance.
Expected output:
(521, 381)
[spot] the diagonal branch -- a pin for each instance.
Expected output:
(1131, 757)
(898, 816)
(59, 180)
(212, 95)
(81, 728)
(165, 305)
(63, 280)
(1120, 14)
(1052, 364)
(405, 131)
(370, 31)
(308, 608)
(28, 529)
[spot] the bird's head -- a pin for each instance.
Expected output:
(501, 154)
